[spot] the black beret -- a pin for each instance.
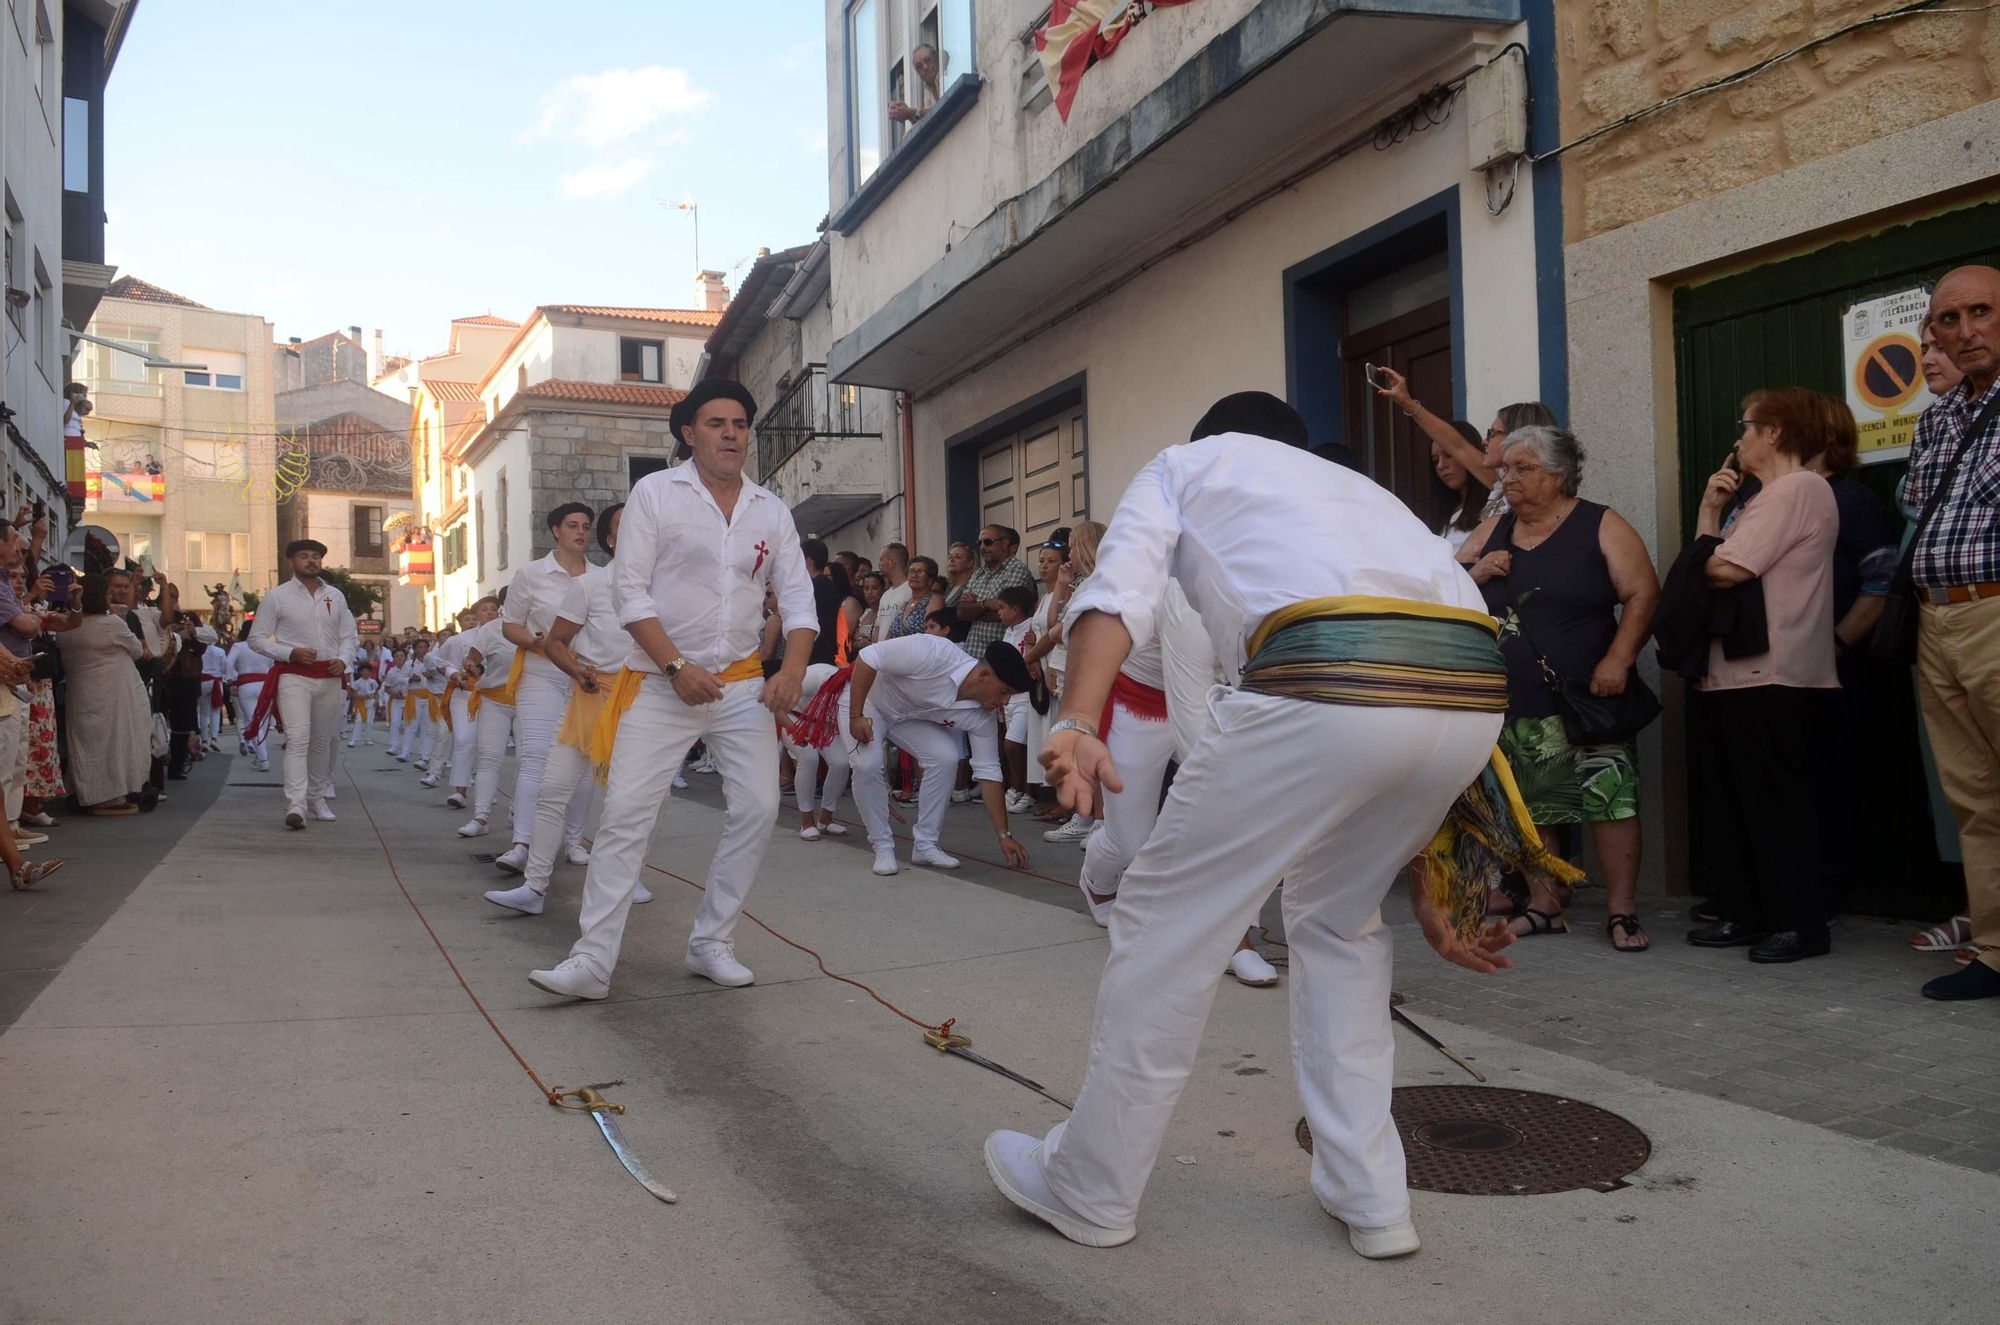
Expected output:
(299, 545)
(1258, 413)
(1008, 665)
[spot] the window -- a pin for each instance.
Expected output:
(501, 545)
(454, 548)
(904, 53)
(639, 360)
(109, 372)
(866, 91)
(45, 324)
(224, 460)
(479, 528)
(638, 466)
(217, 552)
(426, 448)
(225, 370)
(76, 145)
(368, 531)
(521, 377)
(17, 248)
(239, 552)
(45, 53)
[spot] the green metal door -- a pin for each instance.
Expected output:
(1779, 325)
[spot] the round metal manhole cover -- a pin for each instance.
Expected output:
(1488, 1141)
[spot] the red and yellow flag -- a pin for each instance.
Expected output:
(1081, 32)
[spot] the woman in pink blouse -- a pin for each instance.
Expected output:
(1761, 713)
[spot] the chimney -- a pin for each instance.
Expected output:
(375, 356)
(354, 334)
(710, 294)
(296, 340)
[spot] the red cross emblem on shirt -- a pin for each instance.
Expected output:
(763, 550)
(946, 722)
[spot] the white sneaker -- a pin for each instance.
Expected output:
(808, 834)
(834, 829)
(641, 895)
(1388, 1240)
(885, 861)
(430, 781)
(294, 819)
(523, 899)
(1013, 1161)
(571, 978)
(706, 765)
(1020, 802)
(961, 797)
(1100, 907)
(1077, 829)
(456, 800)
(1253, 970)
(680, 783)
(263, 765)
(401, 759)
(513, 860)
(322, 812)
(473, 828)
(717, 962)
(579, 854)
(352, 744)
(328, 794)
(933, 857)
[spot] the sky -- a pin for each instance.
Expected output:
(397, 165)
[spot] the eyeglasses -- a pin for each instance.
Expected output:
(1520, 471)
(1745, 425)
(988, 542)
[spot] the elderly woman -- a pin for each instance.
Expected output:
(1574, 591)
(924, 599)
(111, 727)
(1762, 715)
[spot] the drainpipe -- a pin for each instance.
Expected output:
(909, 472)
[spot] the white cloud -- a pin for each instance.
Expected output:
(607, 108)
(606, 181)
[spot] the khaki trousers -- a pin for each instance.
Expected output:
(1958, 680)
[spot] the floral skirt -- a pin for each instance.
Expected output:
(45, 780)
(1570, 784)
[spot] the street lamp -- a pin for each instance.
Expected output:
(687, 204)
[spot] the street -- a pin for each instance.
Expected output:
(257, 1093)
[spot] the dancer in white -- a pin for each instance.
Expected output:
(541, 688)
(395, 686)
(248, 670)
(214, 688)
(1370, 694)
(304, 627)
(923, 694)
(491, 707)
(420, 706)
(458, 753)
(816, 805)
(586, 643)
(361, 692)
(698, 543)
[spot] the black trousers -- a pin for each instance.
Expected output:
(1763, 810)
(183, 715)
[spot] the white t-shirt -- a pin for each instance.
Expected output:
(917, 679)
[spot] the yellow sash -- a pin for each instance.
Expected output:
(359, 707)
(626, 689)
(1367, 605)
(579, 723)
(410, 703)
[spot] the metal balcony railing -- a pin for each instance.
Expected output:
(808, 407)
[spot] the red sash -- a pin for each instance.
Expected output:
(217, 696)
(819, 721)
(1136, 698)
(267, 696)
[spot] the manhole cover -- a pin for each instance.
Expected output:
(1487, 1141)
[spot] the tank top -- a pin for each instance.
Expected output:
(1559, 594)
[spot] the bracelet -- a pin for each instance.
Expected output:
(1007, 835)
(1075, 725)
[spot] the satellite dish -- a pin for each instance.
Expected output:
(92, 549)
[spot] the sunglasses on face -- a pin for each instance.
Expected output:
(988, 542)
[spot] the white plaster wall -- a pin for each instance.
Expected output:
(590, 354)
(535, 351)
(511, 454)
(31, 165)
(1145, 389)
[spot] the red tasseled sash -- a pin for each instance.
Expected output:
(819, 722)
(1140, 700)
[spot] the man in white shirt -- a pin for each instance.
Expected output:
(697, 545)
(586, 643)
(247, 670)
(418, 700)
(214, 687)
(395, 685)
(1351, 781)
(490, 704)
(304, 627)
(894, 563)
(455, 684)
(542, 694)
(922, 693)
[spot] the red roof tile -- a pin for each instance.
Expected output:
(485, 320)
(603, 393)
(131, 287)
(693, 317)
(442, 390)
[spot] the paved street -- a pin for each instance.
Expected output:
(249, 1088)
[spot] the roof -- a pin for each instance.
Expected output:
(485, 320)
(691, 317)
(394, 363)
(131, 287)
(603, 393)
(443, 390)
(739, 322)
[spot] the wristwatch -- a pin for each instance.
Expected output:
(1006, 834)
(1075, 725)
(673, 669)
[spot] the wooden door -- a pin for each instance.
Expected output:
(1037, 480)
(1386, 441)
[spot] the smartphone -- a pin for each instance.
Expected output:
(41, 511)
(61, 576)
(1368, 373)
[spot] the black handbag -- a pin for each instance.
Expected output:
(1894, 639)
(1593, 719)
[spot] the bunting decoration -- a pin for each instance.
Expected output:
(1081, 32)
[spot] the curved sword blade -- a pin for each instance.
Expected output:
(628, 1159)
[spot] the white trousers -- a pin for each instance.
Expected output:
(396, 723)
(539, 704)
(561, 806)
(807, 759)
(246, 695)
(14, 758)
(491, 731)
(936, 750)
(654, 737)
(1343, 798)
(209, 719)
(1141, 748)
(310, 706)
(460, 754)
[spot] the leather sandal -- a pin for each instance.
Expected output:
(1628, 925)
(1541, 922)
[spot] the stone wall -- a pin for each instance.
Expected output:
(584, 456)
(1619, 56)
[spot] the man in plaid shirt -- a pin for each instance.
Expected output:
(998, 568)
(1956, 566)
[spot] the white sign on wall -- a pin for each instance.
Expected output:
(1883, 353)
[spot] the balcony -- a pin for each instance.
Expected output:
(1285, 85)
(815, 451)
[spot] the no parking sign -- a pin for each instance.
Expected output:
(1883, 351)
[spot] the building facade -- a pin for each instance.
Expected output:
(832, 452)
(1780, 228)
(185, 465)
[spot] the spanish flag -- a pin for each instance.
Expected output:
(1081, 32)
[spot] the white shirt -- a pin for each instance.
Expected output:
(601, 642)
(1187, 668)
(244, 665)
(149, 629)
(1249, 525)
(701, 576)
(421, 673)
(496, 655)
(214, 663)
(917, 679)
(535, 597)
(894, 602)
(396, 681)
(289, 617)
(362, 686)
